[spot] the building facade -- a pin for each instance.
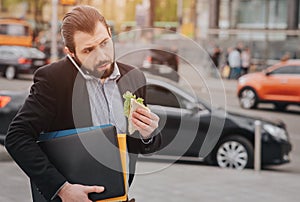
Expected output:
(270, 28)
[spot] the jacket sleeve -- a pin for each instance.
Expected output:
(156, 135)
(34, 117)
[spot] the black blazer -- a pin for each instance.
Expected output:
(58, 100)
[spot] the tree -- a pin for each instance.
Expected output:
(37, 6)
(6, 3)
(165, 10)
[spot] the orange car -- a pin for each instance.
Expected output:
(278, 84)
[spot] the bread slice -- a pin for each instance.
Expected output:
(134, 105)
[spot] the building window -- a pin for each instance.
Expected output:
(253, 14)
(270, 14)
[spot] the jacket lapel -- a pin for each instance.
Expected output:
(81, 104)
(128, 80)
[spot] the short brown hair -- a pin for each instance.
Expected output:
(81, 18)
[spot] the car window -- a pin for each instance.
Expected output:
(14, 30)
(4, 54)
(35, 53)
(297, 70)
(22, 51)
(159, 95)
(287, 70)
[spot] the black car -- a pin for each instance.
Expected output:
(10, 102)
(20, 59)
(190, 127)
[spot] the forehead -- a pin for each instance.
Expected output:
(84, 39)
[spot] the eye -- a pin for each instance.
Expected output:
(87, 50)
(104, 43)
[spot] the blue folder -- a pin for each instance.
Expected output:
(63, 133)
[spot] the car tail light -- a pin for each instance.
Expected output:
(147, 62)
(4, 100)
(149, 59)
(42, 48)
(24, 61)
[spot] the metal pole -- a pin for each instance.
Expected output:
(257, 146)
(179, 15)
(54, 31)
(151, 13)
(194, 20)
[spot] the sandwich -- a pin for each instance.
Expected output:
(131, 104)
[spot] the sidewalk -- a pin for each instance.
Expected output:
(192, 182)
(202, 79)
(180, 183)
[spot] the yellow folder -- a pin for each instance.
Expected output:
(122, 148)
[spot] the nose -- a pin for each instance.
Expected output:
(100, 53)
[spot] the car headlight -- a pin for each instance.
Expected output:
(242, 80)
(275, 131)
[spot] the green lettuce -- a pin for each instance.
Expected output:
(128, 96)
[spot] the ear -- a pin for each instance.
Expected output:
(109, 31)
(67, 50)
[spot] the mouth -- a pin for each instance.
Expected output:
(103, 67)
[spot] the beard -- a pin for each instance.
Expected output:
(99, 74)
(95, 72)
(105, 73)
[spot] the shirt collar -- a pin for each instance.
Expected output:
(115, 75)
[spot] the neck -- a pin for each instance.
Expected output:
(102, 80)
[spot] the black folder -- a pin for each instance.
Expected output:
(89, 158)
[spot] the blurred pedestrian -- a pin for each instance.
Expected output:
(216, 56)
(225, 69)
(240, 46)
(234, 60)
(246, 57)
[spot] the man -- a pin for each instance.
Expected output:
(246, 59)
(234, 60)
(79, 91)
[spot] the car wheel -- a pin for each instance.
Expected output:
(10, 72)
(280, 106)
(248, 98)
(234, 152)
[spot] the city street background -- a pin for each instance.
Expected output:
(190, 181)
(270, 28)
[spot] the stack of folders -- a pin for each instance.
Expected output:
(90, 156)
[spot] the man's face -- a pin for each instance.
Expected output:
(95, 51)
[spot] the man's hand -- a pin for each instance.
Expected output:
(77, 193)
(145, 122)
